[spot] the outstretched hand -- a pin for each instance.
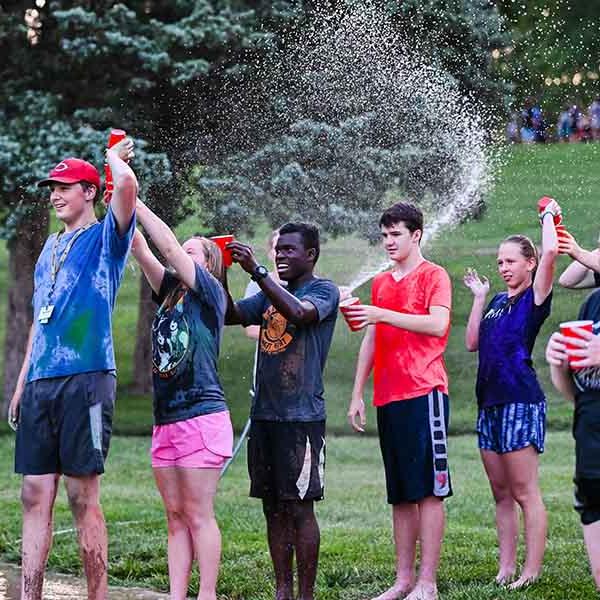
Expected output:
(480, 286)
(243, 255)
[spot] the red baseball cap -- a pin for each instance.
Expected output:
(72, 170)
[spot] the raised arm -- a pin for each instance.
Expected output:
(480, 288)
(580, 273)
(125, 184)
(150, 265)
(167, 244)
(293, 309)
(364, 366)
(542, 284)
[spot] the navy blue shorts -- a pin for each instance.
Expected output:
(510, 427)
(65, 424)
(587, 499)
(286, 460)
(413, 440)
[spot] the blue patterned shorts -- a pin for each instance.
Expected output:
(511, 427)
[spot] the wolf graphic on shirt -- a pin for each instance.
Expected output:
(171, 333)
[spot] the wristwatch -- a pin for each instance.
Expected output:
(260, 272)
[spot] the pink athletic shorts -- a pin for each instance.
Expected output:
(204, 442)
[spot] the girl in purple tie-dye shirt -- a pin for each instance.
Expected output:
(512, 407)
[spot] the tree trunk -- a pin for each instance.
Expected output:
(142, 358)
(24, 250)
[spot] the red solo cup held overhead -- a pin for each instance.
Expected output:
(115, 136)
(344, 305)
(543, 203)
(567, 329)
(222, 241)
(562, 234)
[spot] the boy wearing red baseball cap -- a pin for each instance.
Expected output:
(63, 401)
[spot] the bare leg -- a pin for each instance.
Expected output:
(522, 470)
(180, 550)
(591, 535)
(280, 533)
(406, 531)
(307, 540)
(507, 517)
(431, 533)
(38, 493)
(198, 489)
(84, 500)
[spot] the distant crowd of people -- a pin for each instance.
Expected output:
(574, 124)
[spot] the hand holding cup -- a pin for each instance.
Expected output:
(123, 149)
(582, 347)
(359, 315)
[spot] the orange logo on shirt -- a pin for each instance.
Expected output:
(274, 336)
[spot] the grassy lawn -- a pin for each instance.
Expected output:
(357, 553)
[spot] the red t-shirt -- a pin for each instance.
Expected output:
(408, 364)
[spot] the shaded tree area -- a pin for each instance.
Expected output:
(361, 98)
(555, 54)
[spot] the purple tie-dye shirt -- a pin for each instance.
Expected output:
(507, 334)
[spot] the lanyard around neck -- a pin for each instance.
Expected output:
(56, 265)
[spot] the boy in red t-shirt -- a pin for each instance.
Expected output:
(407, 332)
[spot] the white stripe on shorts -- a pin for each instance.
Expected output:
(439, 443)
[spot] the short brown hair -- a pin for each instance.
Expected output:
(402, 212)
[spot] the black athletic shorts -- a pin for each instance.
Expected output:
(286, 460)
(65, 424)
(413, 440)
(587, 499)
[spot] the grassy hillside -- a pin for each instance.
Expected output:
(566, 172)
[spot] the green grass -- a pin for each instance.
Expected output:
(357, 553)
(567, 172)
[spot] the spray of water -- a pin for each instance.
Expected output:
(347, 118)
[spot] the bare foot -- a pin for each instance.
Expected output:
(398, 590)
(423, 591)
(524, 581)
(505, 577)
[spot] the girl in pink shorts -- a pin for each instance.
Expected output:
(192, 437)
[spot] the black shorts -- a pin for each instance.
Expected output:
(65, 424)
(286, 460)
(587, 499)
(413, 439)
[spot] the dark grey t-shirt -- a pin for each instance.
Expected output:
(291, 358)
(186, 334)
(586, 422)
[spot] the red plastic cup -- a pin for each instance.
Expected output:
(116, 135)
(222, 241)
(543, 203)
(567, 330)
(344, 305)
(562, 234)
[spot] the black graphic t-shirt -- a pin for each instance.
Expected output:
(186, 335)
(586, 422)
(291, 358)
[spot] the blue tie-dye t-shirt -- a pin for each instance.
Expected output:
(78, 336)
